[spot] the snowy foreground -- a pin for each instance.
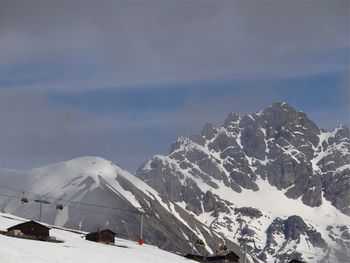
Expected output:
(75, 248)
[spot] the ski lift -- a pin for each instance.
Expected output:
(223, 248)
(24, 200)
(59, 207)
(200, 243)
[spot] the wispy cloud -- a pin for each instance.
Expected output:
(90, 45)
(64, 64)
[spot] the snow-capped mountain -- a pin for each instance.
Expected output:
(97, 194)
(272, 176)
(272, 179)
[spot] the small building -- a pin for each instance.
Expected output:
(105, 236)
(296, 261)
(30, 229)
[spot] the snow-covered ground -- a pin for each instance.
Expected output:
(76, 249)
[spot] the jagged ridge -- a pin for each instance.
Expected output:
(276, 152)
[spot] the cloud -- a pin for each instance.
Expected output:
(36, 131)
(91, 45)
(61, 46)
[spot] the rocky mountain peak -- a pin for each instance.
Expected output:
(208, 131)
(278, 143)
(232, 121)
(272, 176)
(342, 132)
(282, 117)
(279, 147)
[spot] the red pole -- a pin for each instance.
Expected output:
(141, 235)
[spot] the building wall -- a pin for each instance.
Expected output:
(32, 229)
(14, 232)
(92, 237)
(102, 237)
(107, 237)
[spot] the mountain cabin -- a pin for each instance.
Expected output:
(105, 236)
(30, 229)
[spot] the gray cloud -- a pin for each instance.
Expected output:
(93, 45)
(90, 45)
(35, 131)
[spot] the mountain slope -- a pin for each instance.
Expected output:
(95, 194)
(75, 249)
(273, 176)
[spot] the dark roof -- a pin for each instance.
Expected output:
(191, 256)
(101, 231)
(25, 223)
(230, 256)
(296, 261)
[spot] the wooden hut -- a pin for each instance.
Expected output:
(30, 229)
(105, 236)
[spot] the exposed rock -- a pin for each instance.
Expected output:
(209, 131)
(279, 145)
(246, 231)
(253, 142)
(248, 211)
(294, 226)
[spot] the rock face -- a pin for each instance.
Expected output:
(278, 144)
(334, 167)
(279, 149)
(293, 230)
(248, 211)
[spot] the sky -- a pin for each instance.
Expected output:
(123, 79)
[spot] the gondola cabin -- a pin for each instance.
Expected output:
(222, 250)
(30, 229)
(104, 236)
(200, 243)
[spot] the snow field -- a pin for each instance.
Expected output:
(75, 249)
